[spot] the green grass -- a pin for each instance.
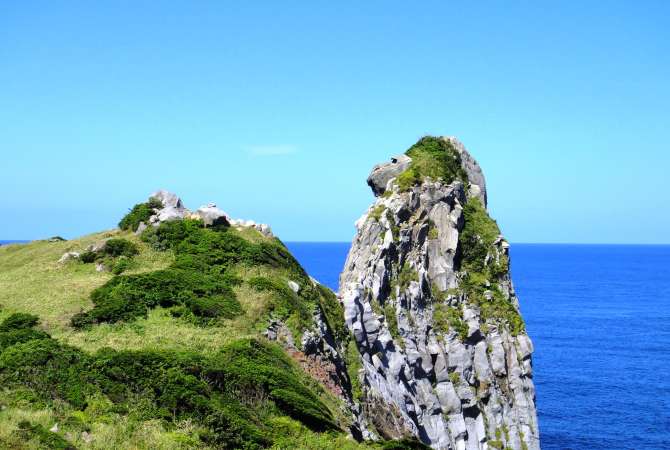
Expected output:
(53, 373)
(32, 280)
(432, 157)
(229, 394)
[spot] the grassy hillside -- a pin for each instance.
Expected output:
(167, 351)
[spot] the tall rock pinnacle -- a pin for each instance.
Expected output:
(429, 299)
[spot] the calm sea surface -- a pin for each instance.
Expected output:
(599, 316)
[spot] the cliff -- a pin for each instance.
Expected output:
(429, 299)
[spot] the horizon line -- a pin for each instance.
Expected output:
(24, 241)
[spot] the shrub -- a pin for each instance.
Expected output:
(120, 247)
(250, 362)
(406, 275)
(121, 265)
(215, 307)
(454, 377)
(88, 257)
(477, 237)
(140, 213)
(294, 309)
(377, 212)
(391, 320)
(18, 321)
(9, 338)
(476, 245)
(172, 386)
(333, 312)
(127, 297)
(447, 317)
(435, 158)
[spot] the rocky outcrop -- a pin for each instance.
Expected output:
(429, 300)
(172, 208)
(211, 215)
(383, 173)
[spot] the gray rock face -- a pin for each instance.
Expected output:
(173, 208)
(382, 173)
(435, 366)
(211, 215)
(472, 169)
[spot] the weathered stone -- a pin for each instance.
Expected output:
(407, 257)
(295, 287)
(68, 256)
(382, 173)
(173, 208)
(212, 216)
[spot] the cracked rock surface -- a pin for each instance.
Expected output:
(445, 355)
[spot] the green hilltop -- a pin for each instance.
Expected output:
(157, 339)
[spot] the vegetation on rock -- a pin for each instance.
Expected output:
(432, 157)
(483, 265)
(140, 213)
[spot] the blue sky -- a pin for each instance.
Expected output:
(277, 111)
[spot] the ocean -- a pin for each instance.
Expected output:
(599, 317)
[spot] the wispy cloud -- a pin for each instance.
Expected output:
(272, 150)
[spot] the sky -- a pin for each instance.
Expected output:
(277, 111)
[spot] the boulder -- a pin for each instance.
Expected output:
(68, 256)
(382, 173)
(173, 208)
(212, 216)
(295, 287)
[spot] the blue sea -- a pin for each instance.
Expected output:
(599, 316)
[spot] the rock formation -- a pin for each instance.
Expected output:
(430, 302)
(172, 208)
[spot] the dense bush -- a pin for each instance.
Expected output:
(120, 247)
(116, 254)
(127, 297)
(18, 328)
(122, 264)
(435, 158)
(477, 237)
(140, 213)
(200, 279)
(232, 393)
(18, 321)
(249, 363)
(216, 249)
